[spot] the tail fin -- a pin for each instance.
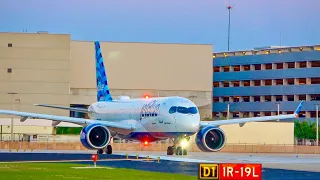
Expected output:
(103, 92)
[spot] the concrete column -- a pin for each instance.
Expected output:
(284, 112)
(241, 68)
(284, 98)
(273, 98)
(230, 99)
(308, 114)
(308, 64)
(231, 84)
(251, 99)
(308, 81)
(221, 69)
(285, 82)
(308, 98)
(296, 98)
(285, 65)
(231, 68)
(251, 83)
(296, 81)
(220, 84)
(262, 99)
(297, 64)
(262, 114)
(241, 99)
(252, 67)
(220, 114)
(220, 99)
(273, 82)
(251, 114)
(263, 67)
(274, 113)
(241, 83)
(240, 114)
(274, 66)
(262, 83)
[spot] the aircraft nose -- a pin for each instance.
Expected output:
(188, 123)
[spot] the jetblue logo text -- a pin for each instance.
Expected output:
(208, 171)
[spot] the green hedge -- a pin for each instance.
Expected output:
(69, 130)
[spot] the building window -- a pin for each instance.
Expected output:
(236, 83)
(9, 70)
(216, 69)
(215, 84)
(268, 82)
(225, 99)
(279, 82)
(246, 99)
(9, 44)
(290, 97)
(302, 81)
(236, 68)
(267, 113)
(315, 80)
(226, 84)
(246, 67)
(279, 65)
(291, 65)
(303, 64)
(226, 69)
(315, 97)
(267, 98)
(257, 82)
(257, 67)
(302, 97)
(290, 81)
(268, 66)
(278, 98)
(246, 83)
(256, 98)
(315, 63)
(215, 99)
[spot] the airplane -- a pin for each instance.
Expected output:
(144, 120)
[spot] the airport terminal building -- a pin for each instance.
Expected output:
(266, 81)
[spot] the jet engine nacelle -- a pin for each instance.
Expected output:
(95, 136)
(210, 139)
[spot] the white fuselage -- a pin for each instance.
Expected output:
(159, 118)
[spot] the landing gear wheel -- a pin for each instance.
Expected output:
(185, 152)
(100, 151)
(170, 150)
(179, 151)
(109, 149)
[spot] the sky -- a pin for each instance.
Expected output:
(254, 23)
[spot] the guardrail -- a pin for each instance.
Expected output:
(237, 148)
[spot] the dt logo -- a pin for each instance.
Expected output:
(208, 171)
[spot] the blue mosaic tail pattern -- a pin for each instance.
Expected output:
(103, 92)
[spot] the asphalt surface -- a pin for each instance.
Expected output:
(169, 166)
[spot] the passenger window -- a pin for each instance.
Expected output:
(193, 110)
(183, 110)
(173, 109)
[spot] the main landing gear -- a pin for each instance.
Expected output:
(107, 150)
(179, 147)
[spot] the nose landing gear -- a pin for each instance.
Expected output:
(107, 150)
(179, 147)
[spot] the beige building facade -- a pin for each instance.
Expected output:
(47, 68)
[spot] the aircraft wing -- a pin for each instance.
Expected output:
(242, 121)
(63, 107)
(57, 119)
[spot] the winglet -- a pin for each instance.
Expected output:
(298, 109)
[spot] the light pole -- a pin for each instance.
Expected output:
(229, 9)
(12, 95)
(278, 110)
(317, 118)
(228, 111)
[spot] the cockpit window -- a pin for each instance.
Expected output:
(183, 110)
(173, 109)
(193, 110)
